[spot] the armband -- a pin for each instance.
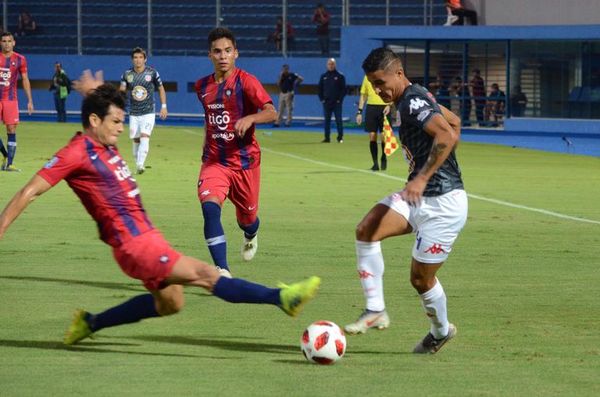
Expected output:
(163, 106)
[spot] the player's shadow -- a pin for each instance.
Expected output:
(98, 347)
(233, 345)
(95, 284)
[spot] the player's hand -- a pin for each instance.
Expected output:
(386, 110)
(413, 191)
(242, 125)
(359, 118)
(88, 82)
(163, 113)
(29, 107)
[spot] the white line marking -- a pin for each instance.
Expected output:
(383, 175)
(474, 196)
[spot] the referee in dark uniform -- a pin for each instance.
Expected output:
(332, 89)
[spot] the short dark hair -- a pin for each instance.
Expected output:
(99, 100)
(380, 59)
(221, 33)
(7, 33)
(138, 50)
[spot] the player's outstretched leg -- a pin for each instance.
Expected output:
(85, 324)
(293, 297)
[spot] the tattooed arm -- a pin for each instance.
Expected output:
(445, 130)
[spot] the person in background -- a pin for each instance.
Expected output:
(518, 102)
(321, 18)
(61, 87)
(478, 90)
(26, 24)
(140, 82)
(332, 90)
(9, 105)
(495, 105)
(377, 109)
(287, 83)
(456, 8)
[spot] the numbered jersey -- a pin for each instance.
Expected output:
(140, 88)
(224, 104)
(417, 106)
(103, 183)
(10, 68)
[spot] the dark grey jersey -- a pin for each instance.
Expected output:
(417, 106)
(140, 89)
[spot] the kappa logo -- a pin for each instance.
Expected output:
(435, 249)
(164, 259)
(363, 274)
(416, 104)
(205, 193)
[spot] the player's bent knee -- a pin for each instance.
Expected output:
(170, 300)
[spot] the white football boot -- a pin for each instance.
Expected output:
(368, 319)
(249, 247)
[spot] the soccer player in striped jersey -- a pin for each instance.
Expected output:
(234, 101)
(140, 82)
(93, 168)
(11, 66)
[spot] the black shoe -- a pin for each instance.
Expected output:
(383, 163)
(325, 141)
(375, 167)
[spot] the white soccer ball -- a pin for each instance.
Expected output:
(323, 342)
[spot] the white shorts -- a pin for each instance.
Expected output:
(436, 222)
(141, 124)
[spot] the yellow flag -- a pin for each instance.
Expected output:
(389, 139)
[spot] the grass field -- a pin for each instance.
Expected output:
(522, 281)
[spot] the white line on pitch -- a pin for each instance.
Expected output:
(473, 196)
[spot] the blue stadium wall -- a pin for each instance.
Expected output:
(356, 42)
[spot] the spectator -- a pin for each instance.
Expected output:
(277, 35)
(478, 91)
(287, 84)
(26, 24)
(462, 92)
(518, 102)
(495, 105)
(456, 8)
(332, 89)
(321, 18)
(61, 85)
(439, 88)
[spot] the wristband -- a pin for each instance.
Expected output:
(359, 111)
(163, 106)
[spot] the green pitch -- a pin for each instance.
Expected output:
(522, 282)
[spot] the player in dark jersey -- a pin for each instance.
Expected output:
(11, 67)
(433, 203)
(96, 172)
(230, 168)
(140, 82)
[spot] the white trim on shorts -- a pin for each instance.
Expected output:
(139, 124)
(436, 222)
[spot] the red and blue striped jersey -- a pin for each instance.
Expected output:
(224, 104)
(10, 68)
(102, 181)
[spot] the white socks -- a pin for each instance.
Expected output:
(434, 303)
(135, 146)
(143, 151)
(370, 269)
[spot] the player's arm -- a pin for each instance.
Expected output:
(268, 114)
(32, 190)
(88, 82)
(361, 107)
(163, 102)
(27, 89)
(445, 137)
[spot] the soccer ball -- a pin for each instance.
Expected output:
(323, 342)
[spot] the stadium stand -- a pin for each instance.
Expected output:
(179, 28)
